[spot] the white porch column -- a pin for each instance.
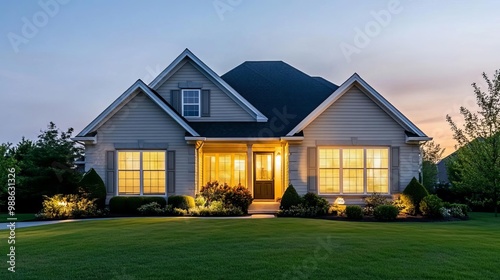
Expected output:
(250, 167)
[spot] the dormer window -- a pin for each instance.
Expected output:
(191, 102)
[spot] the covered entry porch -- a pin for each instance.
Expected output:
(261, 166)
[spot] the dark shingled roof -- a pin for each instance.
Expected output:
(282, 93)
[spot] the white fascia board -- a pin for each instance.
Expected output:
(158, 81)
(410, 140)
(383, 103)
(292, 138)
(86, 140)
(120, 101)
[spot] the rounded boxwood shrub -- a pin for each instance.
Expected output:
(386, 212)
(416, 192)
(313, 201)
(430, 206)
(130, 204)
(290, 198)
(181, 201)
(354, 212)
(92, 186)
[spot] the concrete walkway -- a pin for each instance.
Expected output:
(43, 223)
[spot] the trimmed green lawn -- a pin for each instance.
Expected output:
(20, 217)
(284, 248)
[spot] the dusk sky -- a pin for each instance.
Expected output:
(66, 61)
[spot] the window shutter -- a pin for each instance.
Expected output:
(311, 170)
(110, 172)
(205, 103)
(170, 172)
(176, 100)
(394, 169)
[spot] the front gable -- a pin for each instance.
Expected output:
(122, 101)
(355, 115)
(204, 76)
(140, 118)
(371, 96)
(221, 106)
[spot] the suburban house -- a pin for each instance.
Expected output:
(263, 125)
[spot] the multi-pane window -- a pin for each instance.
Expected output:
(141, 172)
(353, 170)
(225, 168)
(191, 102)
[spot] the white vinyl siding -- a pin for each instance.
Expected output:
(222, 107)
(353, 119)
(142, 121)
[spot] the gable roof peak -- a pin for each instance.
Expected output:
(211, 75)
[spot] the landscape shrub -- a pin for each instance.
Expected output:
(200, 201)
(68, 206)
(386, 212)
(181, 201)
(430, 206)
(459, 210)
(169, 210)
(372, 202)
(354, 212)
(214, 191)
(216, 209)
(405, 205)
(416, 192)
(238, 197)
(337, 209)
(298, 211)
(290, 198)
(92, 186)
(128, 205)
(316, 203)
(151, 209)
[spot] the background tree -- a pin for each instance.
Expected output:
(478, 157)
(44, 167)
(431, 155)
(7, 161)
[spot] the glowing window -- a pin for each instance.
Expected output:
(225, 168)
(141, 173)
(353, 170)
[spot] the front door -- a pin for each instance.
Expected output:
(264, 176)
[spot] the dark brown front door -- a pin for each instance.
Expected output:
(264, 176)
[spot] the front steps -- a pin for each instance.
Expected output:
(260, 207)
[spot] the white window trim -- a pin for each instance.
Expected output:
(141, 185)
(199, 102)
(341, 167)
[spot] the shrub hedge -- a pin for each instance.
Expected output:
(386, 212)
(354, 212)
(181, 201)
(130, 204)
